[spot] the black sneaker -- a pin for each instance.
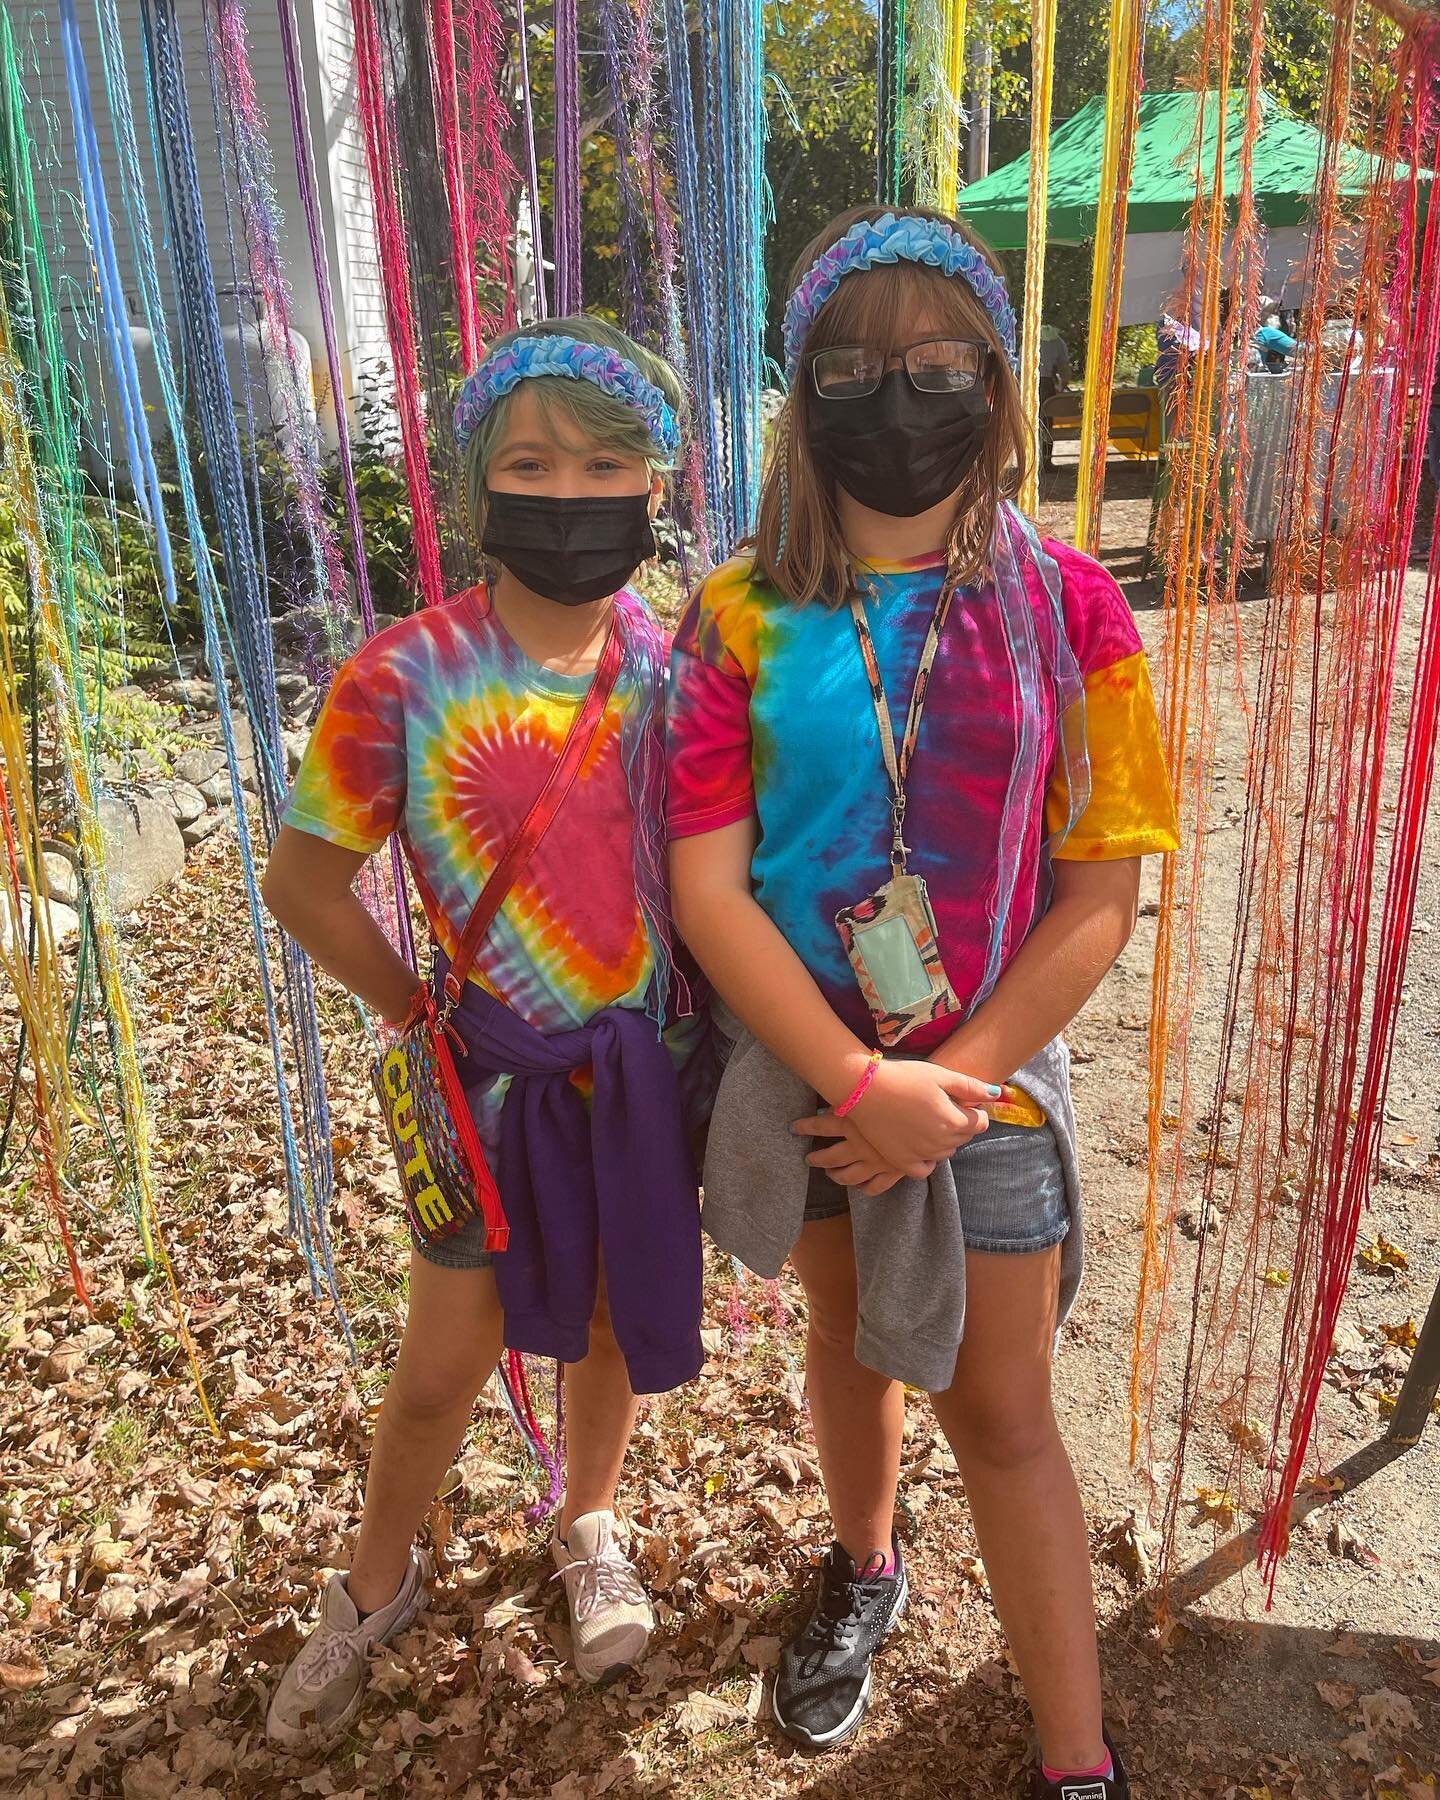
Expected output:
(823, 1685)
(1084, 1787)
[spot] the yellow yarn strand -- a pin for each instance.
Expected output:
(15, 453)
(1037, 232)
(947, 149)
(1122, 106)
(38, 988)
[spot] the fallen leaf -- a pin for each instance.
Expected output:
(519, 1667)
(17, 1677)
(1387, 1713)
(611, 1774)
(1339, 1695)
(1382, 1254)
(700, 1712)
(1404, 1337)
(1343, 1542)
(1216, 1503)
(1277, 1278)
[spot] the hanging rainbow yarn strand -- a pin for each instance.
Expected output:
(1123, 87)
(890, 82)
(1042, 88)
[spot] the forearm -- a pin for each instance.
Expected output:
(754, 970)
(1049, 979)
(347, 943)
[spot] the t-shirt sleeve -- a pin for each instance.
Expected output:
(350, 788)
(707, 726)
(1130, 810)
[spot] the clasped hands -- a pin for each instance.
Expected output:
(913, 1115)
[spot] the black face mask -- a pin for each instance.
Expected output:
(897, 450)
(571, 551)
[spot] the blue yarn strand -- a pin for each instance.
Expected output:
(161, 75)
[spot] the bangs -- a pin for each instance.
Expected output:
(577, 415)
(880, 308)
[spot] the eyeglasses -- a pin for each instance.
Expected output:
(934, 366)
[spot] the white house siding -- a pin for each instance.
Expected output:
(339, 143)
(327, 56)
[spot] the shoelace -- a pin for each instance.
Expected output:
(326, 1656)
(605, 1579)
(842, 1606)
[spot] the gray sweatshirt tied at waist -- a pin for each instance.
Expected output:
(909, 1245)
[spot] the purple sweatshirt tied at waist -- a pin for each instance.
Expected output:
(613, 1182)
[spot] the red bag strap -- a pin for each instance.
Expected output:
(578, 741)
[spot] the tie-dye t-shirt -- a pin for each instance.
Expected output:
(441, 728)
(770, 715)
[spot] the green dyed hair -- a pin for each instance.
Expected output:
(589, 411)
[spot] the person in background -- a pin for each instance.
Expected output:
(1054, 379)
(1274, 344)
(1174, 339)
(1434, 441)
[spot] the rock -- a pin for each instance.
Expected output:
(295, 742)
(196, 693)
(216, 789)
(197, 766)
(187, 803)
(64, 922)
(199, 829)
(144, 851)
(291, 684)
(59, 876)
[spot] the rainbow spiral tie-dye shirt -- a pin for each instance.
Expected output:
(770, 716)
(442, 729)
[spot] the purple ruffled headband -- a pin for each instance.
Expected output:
(891, 240)
(526, 357)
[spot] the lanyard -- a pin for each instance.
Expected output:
(897, 766)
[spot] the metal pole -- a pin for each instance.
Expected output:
(1422, 1383)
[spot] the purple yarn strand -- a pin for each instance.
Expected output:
(532, 167)
(305, 173)
(568, 299)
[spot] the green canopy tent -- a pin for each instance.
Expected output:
(1285, 163)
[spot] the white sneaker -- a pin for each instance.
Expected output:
(320, 1693)
(610, 1614)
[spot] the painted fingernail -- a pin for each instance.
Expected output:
(994, 1092)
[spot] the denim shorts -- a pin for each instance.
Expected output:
(1008, 1181)
(463, 1249)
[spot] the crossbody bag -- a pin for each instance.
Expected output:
(444, 1175)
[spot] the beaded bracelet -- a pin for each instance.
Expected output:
(862, 1087)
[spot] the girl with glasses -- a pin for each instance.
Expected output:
(914, 764)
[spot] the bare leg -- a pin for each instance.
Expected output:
(858, 1415)
(600, 1414)
(451, 1345)
(1023, 1498)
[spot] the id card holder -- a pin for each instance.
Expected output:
(891, 941)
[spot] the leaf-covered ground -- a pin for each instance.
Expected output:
(156, 1579)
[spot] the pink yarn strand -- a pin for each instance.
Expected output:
(382, 159)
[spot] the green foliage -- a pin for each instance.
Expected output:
(1135, 348)
(822, 105)
(119, 620)
(386, 521)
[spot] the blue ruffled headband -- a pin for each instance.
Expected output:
(890, 240)
(526, 357)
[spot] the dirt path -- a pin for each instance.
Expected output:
(153, 1579)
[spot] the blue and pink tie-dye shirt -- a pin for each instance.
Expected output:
(770, 716)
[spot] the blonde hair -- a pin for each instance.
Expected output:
(598, 417)
(799, 546)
